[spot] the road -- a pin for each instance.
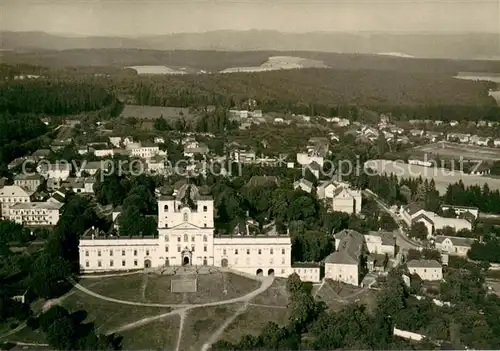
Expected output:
(402, 239)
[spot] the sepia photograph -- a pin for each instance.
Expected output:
(230, 175)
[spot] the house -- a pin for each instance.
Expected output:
(201, 150)
(243, 156)
(314, 167)
(346, 200)
(396, 130)
(434, 222)
(41, 153)
(326, 189)
(159, 140)
(35, 213)
(115, 141)
(60, 170)
(454, 123)
(370, 133)
(92, 167)
(426, 269)
(345, 264)
(304, 185)
(10, 195)
(433, 136)
(30, 182)
(438, 122)
(82, 150)
(496, 142)
(238, 113)
(58, 197)
(416, 132)
(492, 124)
(453, 245)
(409, 212)
(388, 136)
(460, 210)
(101, 151)
(307, 271)
(380, 243)
(278, 120)
(157, 164)
(343, 122)
(481, 123)
(482, 169)
(483, 141)
(143, 150)
(305, 159)
(461, 137)
(255, 113)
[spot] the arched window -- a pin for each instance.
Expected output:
(185, 217)
(204, 238)
(185, 237)
(165, 207)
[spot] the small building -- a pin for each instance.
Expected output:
(380, 243)
(460, 210)
(30, 182)
(453, 245)
(426, 269)
(307, 271)
(10, 195)
(345, 264)
(304, 185)
(35, 213)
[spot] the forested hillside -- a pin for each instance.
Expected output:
(320, 91)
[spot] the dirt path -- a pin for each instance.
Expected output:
(83, 276)
(13, 331)
(144, 286)
(183, 315)
(146, 320)
(216, 335)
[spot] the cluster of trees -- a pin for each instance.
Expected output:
(52, 96)
(136, 196)
(484, 198)
(488, 250)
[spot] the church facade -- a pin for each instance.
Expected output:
(186, 238)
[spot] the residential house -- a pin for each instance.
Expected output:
(305, 159)
(347, 200)
(326, 189)
(201, 150)
(433, 136)
(438, 122)
(416, 132)
(156, 164)
(380, 243)
(343, 122)
(278, 120)
(101, 151)
(41, 153)
(92, 167)
(115, 141)
(159, 140)
(397, 130)
(314, 167)
(304, 185)
(483, 141)
(460, 137)
(30, 182)
(453, 245)
(243, 156)
(426, 269)
(60, 170)
(255, 113)
(82, 150)
(481, 123)
(388, 136)
(346, 263)
(434, 222)
(307, 271)
(143, 150)
(454, 123)
(10, 195)
(496, 142)
(492, 124)
(461, 210)
(238, 113)
(370, 133)
(35, 213)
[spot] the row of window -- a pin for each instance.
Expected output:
(236, 252)
(111, 263)
(205, 249)
(14, 200)
(165, 209)
(111, 253)
(186, 238)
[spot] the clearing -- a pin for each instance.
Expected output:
(455, 150)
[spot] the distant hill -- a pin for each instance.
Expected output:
(420, 45)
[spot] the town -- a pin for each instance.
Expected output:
(247, 199)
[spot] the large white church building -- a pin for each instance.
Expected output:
(186, 238)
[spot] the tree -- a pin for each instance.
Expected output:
(48, 276)
(418, 231)
(386, 222)
(161, 124)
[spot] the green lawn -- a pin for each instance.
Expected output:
(201, 323)
(156, 335)
(108, 315)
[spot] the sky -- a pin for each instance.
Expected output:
(151, 17)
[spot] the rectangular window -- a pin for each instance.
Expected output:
(135, 252)
(135, 262)
(166, 248)
(178, 249)
(204, 208)
(224, 252)
(236, 251)
(192, 238)
(166, 238)
(248, 251)
(99, 253)
(111, 263)
(147, 252)
(87, 264)
(204, 248)
(111, 252)
(178, 239)
(260, 252)
(86, 253)
(123, 263)
(282, 251)
(272, 251)
(192, 248)
(99, 263)
(123, 252)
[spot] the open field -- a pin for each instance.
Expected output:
(253, 321)
(108, 315)
(202, 322)
(442, 177)
(154, 112)
(277, 63)
(455, 150)
(160, 335)
(276, 295)
(337, 295)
